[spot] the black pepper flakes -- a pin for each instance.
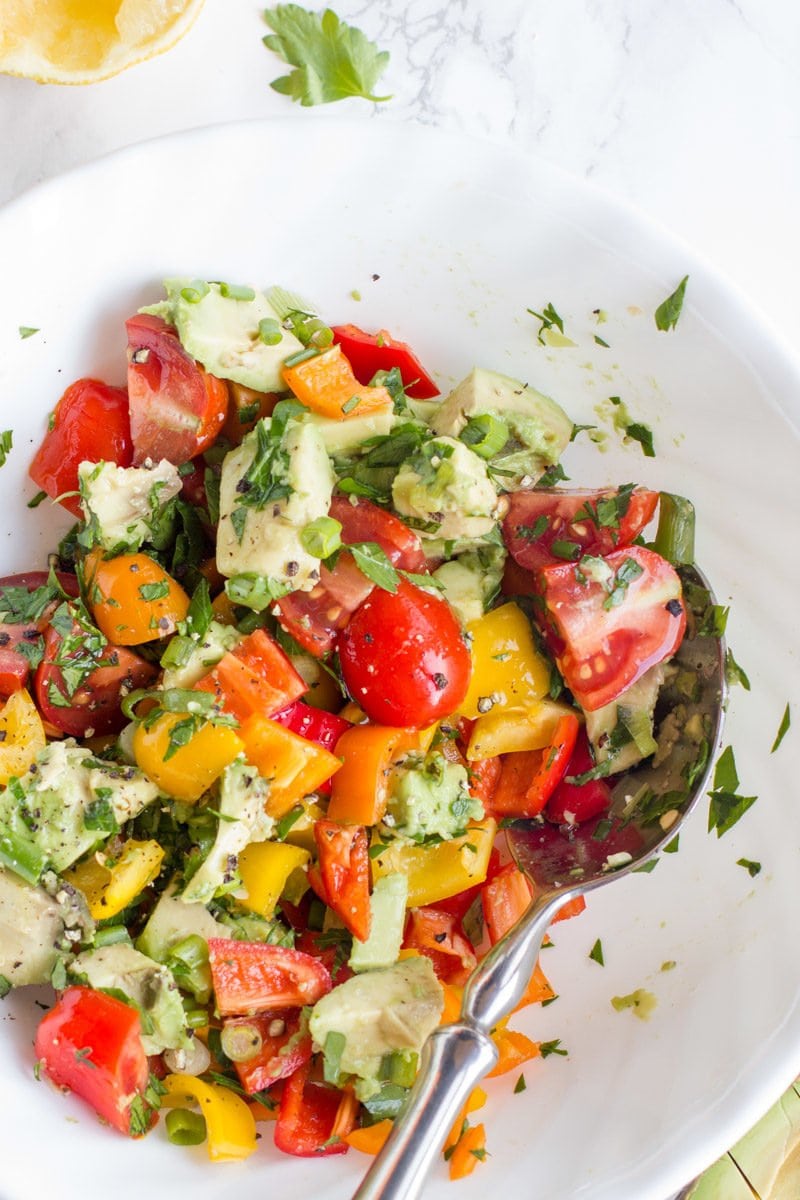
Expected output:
(440, 681)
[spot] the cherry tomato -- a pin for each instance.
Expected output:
(177, 408)
(552, 526)
(90, 423)
(254, 976)
(403, 657)
(133, 599)
(91, 1043)
(371, 352)
(14, 663)
(108, 673)
(615, 622)
(573, 803)
(315, 618)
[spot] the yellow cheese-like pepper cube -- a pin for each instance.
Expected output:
(21, 735)
(109, 889)
(184, 769)
(507, 731)
(507, 669)
(437, 872)
(264, 868)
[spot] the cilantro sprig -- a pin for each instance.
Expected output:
(332, 60)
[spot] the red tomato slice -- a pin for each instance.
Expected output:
(14, 665)
(308, 1118)
(90, 423)
(613, 631)
(177, 408)
(316, 618)
(283, 1049)
(249, 977)
(438, 935)
(574, 803)
(95, 703)
(553, 526)
(91, 1043)
(371, 352)
(403, 658)
(344, 872)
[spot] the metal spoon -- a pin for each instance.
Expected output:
(649, 805)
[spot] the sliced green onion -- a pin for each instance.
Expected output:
(302, 355)
(241, 1042)
(234, 291)
(110, 935)
(254, 591)
(674, 539)
(194, 292)
(321, 335)
(400, 1067)
(321, 537)
(185, 1128)
(485, 434)
(270, 332)
(188, 961)
(21, 856)
(196, 1018)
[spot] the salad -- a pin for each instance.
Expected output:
(317, 634)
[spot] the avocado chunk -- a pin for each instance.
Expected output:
(722, 1181)
(471, 581)
(264, 538)
(444, 491)
(347, 437)
(242, 819)
(623, 729)
(387, 920)
(171, 921)
(69, 801)
(379, 1013)
(428, 796)
(761, 1153)
(34, 924)
(224, 334)
(122, 505)
(204, 654)
(539, 429)
(149, 986)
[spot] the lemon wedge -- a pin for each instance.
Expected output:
(82, 41)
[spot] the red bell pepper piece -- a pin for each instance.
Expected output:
(371, 352)
(572, 804)
(91, 1043)
(344, 873)
(282, 1051)
(249, 977)
(505, 898)
(313, 1118)
(528, 778)
(255, 677)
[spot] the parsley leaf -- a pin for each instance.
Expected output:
(372, 561)
(332, 60)
(596, 953)
(754, 868)
(549, 318)
(667, 313)
(733, 672)
(26, 331)
(783, 728)
(554, 1047)
(6, 442)
(726, 806)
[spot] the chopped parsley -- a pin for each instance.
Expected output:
(549, 320)
(734, 673)
(596, 953)
(26, 331)
(753, 868)
(668, 312)
(332, 60)
(643, 434)
(625, 574)
(520, 1085)
(554, 1047)
(727, 806)
(373, 561)
(783, 728)
(6, 442)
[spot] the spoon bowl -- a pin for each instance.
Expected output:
(649, 804)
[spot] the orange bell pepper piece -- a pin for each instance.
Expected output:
(370, 1139)
(133, 599)
(515, 1049)
(293, 766)
(537, 991)
(471, 1149)
(475, 1100)
(326, 384)
(359, 789)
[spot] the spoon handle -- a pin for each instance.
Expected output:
(454, 1060)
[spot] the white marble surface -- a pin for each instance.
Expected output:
(689, 110)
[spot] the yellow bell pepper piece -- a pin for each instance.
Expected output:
(21, 735)
(507, 669)
(264, 868)
(110, 889)
(188, 771)
(510, 730)
(230, 1125)
(437, 872)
